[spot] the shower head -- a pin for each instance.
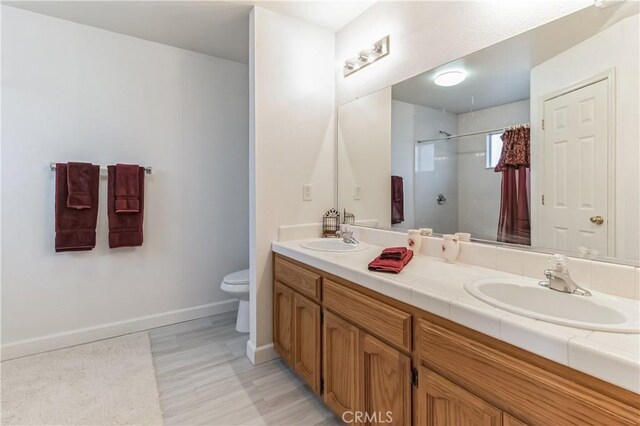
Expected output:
(442, 132)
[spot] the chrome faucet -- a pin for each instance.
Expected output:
(558, 277)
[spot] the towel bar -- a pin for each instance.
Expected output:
(148, 169)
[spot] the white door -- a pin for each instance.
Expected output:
(575, 172)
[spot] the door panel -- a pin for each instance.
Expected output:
(441, 403)
(575, 176)
(307, 351)
(385, 377)
(283, 321)
(340, 347)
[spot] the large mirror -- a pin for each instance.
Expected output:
(533, 141)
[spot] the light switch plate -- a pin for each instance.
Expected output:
(357, 193)
(306, 192)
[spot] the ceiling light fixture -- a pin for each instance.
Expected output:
(379, 50)
(449, 78)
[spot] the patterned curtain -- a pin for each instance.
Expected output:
(514, 224)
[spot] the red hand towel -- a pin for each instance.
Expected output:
(75, 228)
(127, 189)
(80, 178)
(393, 253)
(390, 265)
(125, 230)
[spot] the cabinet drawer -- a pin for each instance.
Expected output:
(531, 394)
(298, 278)
(378, 318)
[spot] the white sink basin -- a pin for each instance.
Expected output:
(525, 297)
(334, 245)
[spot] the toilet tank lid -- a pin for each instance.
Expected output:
(238, 277)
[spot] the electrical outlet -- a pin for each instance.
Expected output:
(357, 193)
(306, 192)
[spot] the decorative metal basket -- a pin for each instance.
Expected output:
(330, 224)
(348, 218)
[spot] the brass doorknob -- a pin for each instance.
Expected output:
(598, 220)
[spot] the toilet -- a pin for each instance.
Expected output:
(237, 285)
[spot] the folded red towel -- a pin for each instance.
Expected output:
(391, 265)
(125, 230)
(393, 253)
(80, 178)
(75, 228)
(127, 188)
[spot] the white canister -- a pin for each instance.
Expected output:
(414, 240)
(450, 247)
(464, 236)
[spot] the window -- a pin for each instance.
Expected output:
(425, 157)
(494, 149)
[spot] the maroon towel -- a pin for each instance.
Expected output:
(393, 253)
(391, 265)
(127, 188)
(80, 178)
(76, 227)
(397, 199)
(125, 229)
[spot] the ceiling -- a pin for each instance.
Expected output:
(500, 74)
(217, 28)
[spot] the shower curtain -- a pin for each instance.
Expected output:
(514, 224)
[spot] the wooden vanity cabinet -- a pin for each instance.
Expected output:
(356, 348)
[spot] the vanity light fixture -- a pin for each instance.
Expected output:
(449, 78)
(379, 50)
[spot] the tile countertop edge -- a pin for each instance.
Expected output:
(551, 341)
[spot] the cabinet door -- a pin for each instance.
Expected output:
(385, 383)
(283, 321)
(340, 358)
(441, 403)
(306, 341)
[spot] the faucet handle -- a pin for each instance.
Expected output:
(558, 262)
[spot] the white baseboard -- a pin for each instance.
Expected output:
(104, 331)
(260, 354)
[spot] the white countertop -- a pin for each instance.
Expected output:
(431, 284)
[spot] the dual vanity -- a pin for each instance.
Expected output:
(450, 344)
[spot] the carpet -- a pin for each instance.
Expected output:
(109, 382)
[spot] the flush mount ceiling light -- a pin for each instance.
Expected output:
(449, 78)
(379, 50)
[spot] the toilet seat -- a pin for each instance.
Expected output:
(237, 282)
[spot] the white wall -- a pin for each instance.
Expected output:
(403, 156)
(616, 47)
(364, 157)
(443, 178)
(479, 188)
(73, 92)
(426, 34)
(292, 143)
